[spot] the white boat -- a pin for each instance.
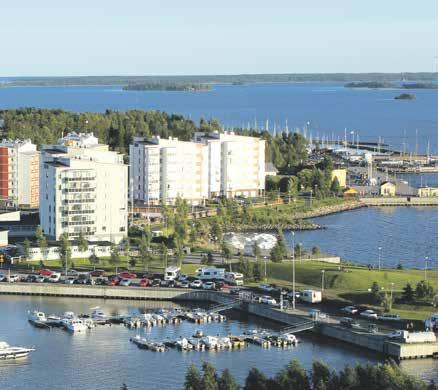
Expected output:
(184, 344)
(8, 352)
(75, 325)
(67, 317)
(54, 320)
(37, 318)
(98, 316)
(210, 342)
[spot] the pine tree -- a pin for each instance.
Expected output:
(193, 379)
(256, 380)
(227, 381)
(209, 377)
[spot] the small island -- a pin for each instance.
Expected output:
(420, 86)
(370, 84)
(167, 87)
(406, 96)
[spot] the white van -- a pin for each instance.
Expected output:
(234, 278)
(311, 296)
(54, 278)
(172, 273)
(210, 273)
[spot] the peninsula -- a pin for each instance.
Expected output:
(158, 86)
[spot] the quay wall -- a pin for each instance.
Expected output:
(400, 201)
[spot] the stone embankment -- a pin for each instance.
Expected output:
(327, 210)
(268, 227)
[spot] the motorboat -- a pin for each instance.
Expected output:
(75, 325)
(142, 343)
(37, 318)
(198, 334)
(98, 316)
(67, 317)
(54, 320)
(184, 344)
(8, 352)
(210, 342)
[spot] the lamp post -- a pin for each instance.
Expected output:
(322, 280)
(392, 287)
(293, 270)
(266, 277)
(425, 268)
(380, 249)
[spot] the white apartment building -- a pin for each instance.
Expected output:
(19, 173)
(162, 170)
(236, 164)
(83, 189)
(216, 164)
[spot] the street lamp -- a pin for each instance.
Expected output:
(392, 287)
(379, 248)
(425, 267)
(322, 280)
(293, 270)
(266, 277)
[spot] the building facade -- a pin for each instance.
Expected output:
(19, 173)
(425, 192)
(83, 190)
(215, 164)
(161, 170)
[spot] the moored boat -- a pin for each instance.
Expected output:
(7, 352)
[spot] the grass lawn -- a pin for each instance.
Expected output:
(351, 285)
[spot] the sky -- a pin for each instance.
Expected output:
(181, 37)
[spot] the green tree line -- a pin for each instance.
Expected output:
(293, 376)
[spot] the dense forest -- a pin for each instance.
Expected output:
(116, 128)
(160, 86)
(226, 79)
(294, 377)
(288, 152)
(385, 84)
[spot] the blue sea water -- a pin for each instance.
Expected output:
(325, 108)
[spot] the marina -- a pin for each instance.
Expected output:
(111, 352)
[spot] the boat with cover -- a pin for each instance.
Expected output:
(75, 325)
(37, 318)
(7, 352)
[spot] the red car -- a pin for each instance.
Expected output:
(144, 283)
(97, 273)
(127, 275)
(45, 272)
(114, 281)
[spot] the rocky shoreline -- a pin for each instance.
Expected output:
(327, 210)
(273, 228)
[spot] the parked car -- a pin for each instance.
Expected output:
(69, 280)
(371, 314)
(125, 282)
(156, 282)
(97, 273)
(182, 277)
(113, 281)
(266, 288)
(31, 278)
(54, 278)
(209, 286)
(144, 283)
(317, 314)
(219, 286)
(184, 284)
(127, 275)
(40, 279)
(267, 300)
(349, 322)
(290, 295)
(235, 290)
(350, 310)
(196, 284)
(73, 272)
(389, 317)
(45, 272)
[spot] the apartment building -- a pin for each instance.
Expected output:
(19, 173)
(236, 164)
(161, 170)
(215, 164)
(83, 189)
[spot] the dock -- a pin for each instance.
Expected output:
(294, 321)
(413, 201)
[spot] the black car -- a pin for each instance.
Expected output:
(31, 278)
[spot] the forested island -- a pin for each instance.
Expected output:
(382, 85)
(370, 84)
(167, 87)
(239, 79)
(406, 96)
